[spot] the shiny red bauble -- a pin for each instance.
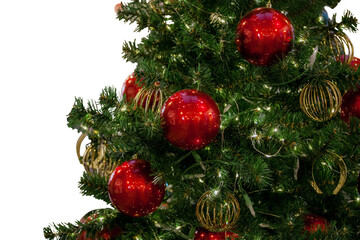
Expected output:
(130, 88)
(132, 189)
(355, 62)
(350, 105)
(190, 119)
(203, 234)
(314, 222)
(104, 234)
(118, 7)
(263, 36)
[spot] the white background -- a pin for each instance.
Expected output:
(50, 52)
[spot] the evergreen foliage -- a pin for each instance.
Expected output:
(266, 146)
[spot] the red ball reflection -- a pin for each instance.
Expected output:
(130, 88)
(203, 234)
(263, 36)
(350, 105)
(191, 119)
(132, 189)
(314, 222)
(355, 63)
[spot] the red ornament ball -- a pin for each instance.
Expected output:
(132, 189)
(350, 105)
(263, 36)
(105, 234)
(130, 88)
(314, 222)
(191, 119)
(355, 62)
(203, 234)
(118, 7)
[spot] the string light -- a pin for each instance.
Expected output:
(124, 108)
(258, 138)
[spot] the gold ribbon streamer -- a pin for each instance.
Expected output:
(343, 174)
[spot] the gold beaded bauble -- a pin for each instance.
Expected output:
(151, 98)
(94, 159)
(340, 46)
(320, 100)
(217, 212)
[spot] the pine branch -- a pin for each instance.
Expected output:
(62, 231)
(94, 185)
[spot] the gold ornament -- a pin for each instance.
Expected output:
(150, 98)
(326, 161)
(340, 46)
(217, 213)
(320, 100)
(94, 158)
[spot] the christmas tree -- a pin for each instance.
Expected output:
(240, 121)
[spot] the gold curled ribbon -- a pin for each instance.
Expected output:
(343, 175)
(78, 145)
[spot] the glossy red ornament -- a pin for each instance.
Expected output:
(105, 234)
(355, 62)
(132, 189)
(203, 234)
(350, 105)
(118, 7)
(314, 222)
(130, 88)
(191, 119)
(263, 36)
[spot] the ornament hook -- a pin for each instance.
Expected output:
(268, 5)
